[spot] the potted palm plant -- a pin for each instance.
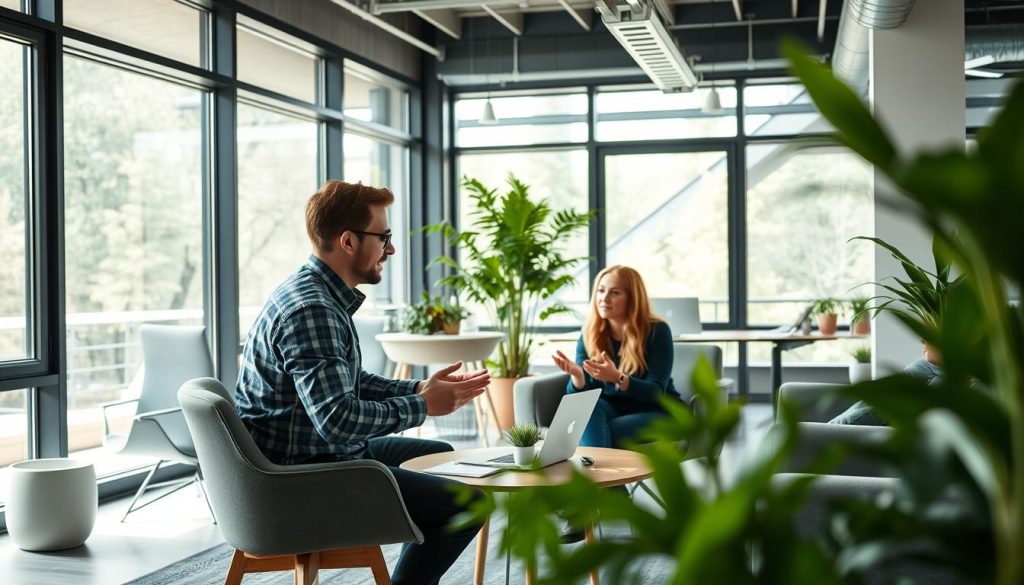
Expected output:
(432, 315)
(510, 260)
(827, 312)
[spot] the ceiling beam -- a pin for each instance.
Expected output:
(822, 6)
(584, 17)
(388, 6)
(513, 21)
(795, 9)
(444, 20)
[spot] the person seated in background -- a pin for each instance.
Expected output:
(626, 352)
(926, 368)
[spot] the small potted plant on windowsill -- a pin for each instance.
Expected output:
(432, 315)
(861, 370)
(827, 312)
(523, 438)
(860, 317)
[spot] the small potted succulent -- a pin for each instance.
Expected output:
(860, 371)
(827, 311)
(860, 317)
(432, 315)
(523, 438)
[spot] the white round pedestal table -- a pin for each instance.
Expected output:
(51, 504)
(410, 349)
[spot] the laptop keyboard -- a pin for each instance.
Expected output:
(503, 459)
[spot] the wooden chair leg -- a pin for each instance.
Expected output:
(590, 539)
(307, 566)
(379, 567)
(481, 552)
(237, 569)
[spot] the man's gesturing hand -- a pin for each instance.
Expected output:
(446, 391)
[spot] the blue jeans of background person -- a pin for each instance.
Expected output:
(431, 504)
(616, 421)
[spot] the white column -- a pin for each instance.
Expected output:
(917, 91)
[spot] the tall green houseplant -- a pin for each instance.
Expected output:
(510, 260)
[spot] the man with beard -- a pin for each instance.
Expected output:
(302, 392)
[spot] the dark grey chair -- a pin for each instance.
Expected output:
(171, 355)
(282, 517)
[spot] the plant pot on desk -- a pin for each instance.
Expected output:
(504, 405)
(827, 323)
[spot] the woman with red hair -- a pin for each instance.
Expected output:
(625, 351)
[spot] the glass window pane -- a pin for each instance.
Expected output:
(558, 176)
(985, 98)
(653, 115)
(666, 216)
(522, 119)
(277, 172)
(780, 109)
(802, 208)
(165, 27)
(371, 100)
(380, 164)
(273, 64)
(13, 433)
(133, 229)
(14, 197)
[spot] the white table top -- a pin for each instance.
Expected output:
(421, 350)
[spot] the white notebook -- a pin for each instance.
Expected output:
(461, 470)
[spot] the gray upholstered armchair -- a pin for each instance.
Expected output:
(278, 517)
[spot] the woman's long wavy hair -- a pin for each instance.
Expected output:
(597, 333)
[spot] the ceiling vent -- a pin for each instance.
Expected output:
(638, 27)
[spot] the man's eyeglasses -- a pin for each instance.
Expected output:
(385, 236)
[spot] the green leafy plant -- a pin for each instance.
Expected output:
(862, 354)
(523, 435)
(511, 260)
(859, 307)
(431, 314)
(828, 306)
(920, 299)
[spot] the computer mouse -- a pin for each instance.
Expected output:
(587, 460)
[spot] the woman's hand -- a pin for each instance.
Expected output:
(570, 367)
(602, 368)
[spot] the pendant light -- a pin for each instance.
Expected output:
(487, 118)
(713, 102)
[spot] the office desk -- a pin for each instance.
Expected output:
(780, 342)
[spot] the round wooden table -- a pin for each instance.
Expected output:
(612, 467)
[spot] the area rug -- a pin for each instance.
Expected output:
(211, 566)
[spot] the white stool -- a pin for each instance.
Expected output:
(51, 504)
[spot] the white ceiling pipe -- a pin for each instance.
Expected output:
(390, 28)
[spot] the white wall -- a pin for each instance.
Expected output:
(917, 91)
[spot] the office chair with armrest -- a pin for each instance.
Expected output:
(281, 517)
(171, 355)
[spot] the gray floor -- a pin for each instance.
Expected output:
(179, 526)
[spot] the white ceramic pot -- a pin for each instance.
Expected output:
(523, 455)
(51, 504)
(860, 373)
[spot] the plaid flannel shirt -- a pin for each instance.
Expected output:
(301, 391)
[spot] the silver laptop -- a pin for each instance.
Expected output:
(682, 313)
(563, 435)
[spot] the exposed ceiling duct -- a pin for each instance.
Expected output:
(637, 25)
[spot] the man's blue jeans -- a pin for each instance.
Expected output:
(616, 421)
(431, 504)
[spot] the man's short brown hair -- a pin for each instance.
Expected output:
(339, 207)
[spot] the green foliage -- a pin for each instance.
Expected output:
(859, 307)
(862, 354)
(523, 435)
(966, 436)
(921, 297)
(511, 261)
(430, 315)
(827, 306)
